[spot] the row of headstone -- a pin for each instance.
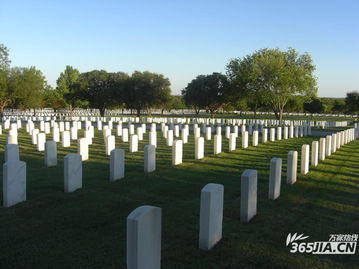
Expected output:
(144, 223)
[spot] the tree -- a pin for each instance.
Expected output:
(339, 106)
(98, 88)
(146, 90)
(53, 98)
(245, 83)
(295, 104)
(5, 92)
(4, 57)
(274, 75)
(65, 86)
(207, 91)
(26, 85)
(352, 102)
(315, 106)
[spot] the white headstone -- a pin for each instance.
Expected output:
(304, 167)
(217, 144)
(50, 154)
(124, 135)
(248, 207)
(74, 133)
(199, 148)
(315, 153)
(208, 133)
(275, 176)
(149, 158)
(177, 150)
(272, 134)
(285, 135)
(14, 182)
(117, 164)
(66, 139)
(144, 238)
(328, 145)
(153, 138)
(232, 142)
(133, 143)
(72, 172)
(56, 134)
(255, 138)
(265, 135)
(279, 133)
(245, 140)
(169, 139)
(83, 149)
(292, 165)
(110, 144)
(322, 149)
(34, 136)
(211, 215)
(140, 133)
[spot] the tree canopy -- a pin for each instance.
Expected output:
(65, 83)
(4, 57)
(146, 90)
(352, 102)
(274, 75)
(207, 91)
(98, 88)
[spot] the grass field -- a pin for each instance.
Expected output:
(87, 228)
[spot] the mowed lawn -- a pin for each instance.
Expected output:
(87, 228)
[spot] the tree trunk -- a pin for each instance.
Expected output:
(1, 112)
(138, 112)
(102, 112)
(276, 114)
(162, 110)
(280, 116)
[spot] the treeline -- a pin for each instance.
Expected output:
(267, 80)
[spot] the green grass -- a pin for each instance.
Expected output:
(87, 228)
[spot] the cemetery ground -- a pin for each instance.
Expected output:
(87, 228)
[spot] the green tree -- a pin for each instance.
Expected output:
(65, 87)
(146, 90)
(295, 104)
(53, 98)
(4, 57)
(352, 102)
(26, 85)
(98, 88)
(207, 91)
(5, 91)
(314, 106)
(274, 75)
(245, 83)
(339, 106)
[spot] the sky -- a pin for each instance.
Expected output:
(181, 39)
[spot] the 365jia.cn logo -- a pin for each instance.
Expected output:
(337, 244)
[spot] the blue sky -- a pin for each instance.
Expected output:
(181, 39)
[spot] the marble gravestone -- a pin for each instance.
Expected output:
(211, 215)
(117, 164)
(248, 206)
(143, 240)
(72, 172)
(14, 182)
